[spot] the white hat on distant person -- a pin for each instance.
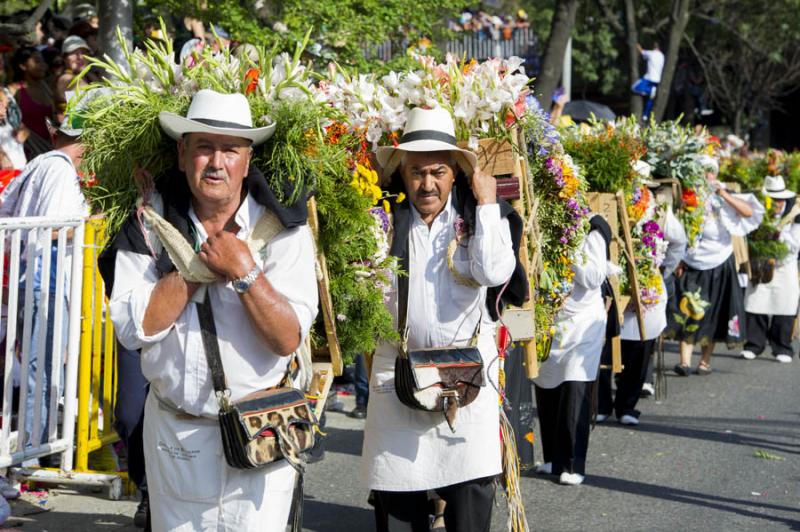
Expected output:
(775, 188)
(73, 43)
(217, 113)
(427, 130)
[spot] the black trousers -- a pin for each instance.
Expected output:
(778, 331)
(468, 508)
(132, 390)
(564, 423)
(635, 359)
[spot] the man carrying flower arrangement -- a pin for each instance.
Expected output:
(771, 305)
(454, 240)
(253, 308)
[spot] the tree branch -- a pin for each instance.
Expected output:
(20, 30)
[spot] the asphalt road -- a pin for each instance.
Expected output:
(719, 453)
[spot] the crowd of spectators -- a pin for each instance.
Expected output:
(489, 26)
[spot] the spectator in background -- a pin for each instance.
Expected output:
(74, 50)
(12, 132)
(35, 98)
(85, 13)
(48, 186)
(522, 20)
(57, 29)
(648, 85)
(88, 33)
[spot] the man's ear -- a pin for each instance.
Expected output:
(181, 151)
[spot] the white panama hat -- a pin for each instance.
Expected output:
(775, 188)
(427, 130)
(220, 114)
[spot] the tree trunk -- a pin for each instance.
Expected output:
(678, 20)
(115, 14)
(632, 38)
(553, 61)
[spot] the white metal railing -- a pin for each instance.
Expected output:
(28, 248)
(468, 44)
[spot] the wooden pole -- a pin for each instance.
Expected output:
(633, 281)
(325, 301)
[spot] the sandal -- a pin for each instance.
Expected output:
(682, 371)
(703, 369)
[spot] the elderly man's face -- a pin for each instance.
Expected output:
(429, 178)
(215, 166)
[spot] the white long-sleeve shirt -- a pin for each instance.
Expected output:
(721, 223)
(173, 360)
(780, 296)
(412, 450)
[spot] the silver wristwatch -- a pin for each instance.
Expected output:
(243, 284)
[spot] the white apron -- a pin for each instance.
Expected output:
(778, 297)
(413, 450)
(655, 320)
(192, 488)
(577, 346)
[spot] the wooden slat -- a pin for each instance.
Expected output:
(631, 266)
(321, 385)
(325, 301)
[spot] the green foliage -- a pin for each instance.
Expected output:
(342, 28)
(605, 158)
(765, 243)
(748, 172)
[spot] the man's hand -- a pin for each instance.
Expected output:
(679, 271)
(484, 187)
(227, 256)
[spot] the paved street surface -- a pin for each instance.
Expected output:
(720, 453)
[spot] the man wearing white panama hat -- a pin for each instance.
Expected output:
(447, 301)
(772, 307)
(263, 305)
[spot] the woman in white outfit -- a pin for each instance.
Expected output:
(563, 387)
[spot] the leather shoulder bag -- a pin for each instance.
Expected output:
(264, 426)
(438, 379)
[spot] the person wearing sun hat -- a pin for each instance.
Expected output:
(772, 307)
(263, 302)
(448, 297)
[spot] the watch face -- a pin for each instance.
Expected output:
(240, 286)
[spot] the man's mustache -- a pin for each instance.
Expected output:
(215, 174)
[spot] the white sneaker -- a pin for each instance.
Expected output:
(784, 359)
(748, 355)
(648, 390)
(570, 479)
(599, 418)
(544, 469)
(629, 420)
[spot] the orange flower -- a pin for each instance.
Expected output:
(689, 198)
(251, 80)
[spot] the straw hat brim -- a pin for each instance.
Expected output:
(783, 194)
(177, 126)
(389, 157)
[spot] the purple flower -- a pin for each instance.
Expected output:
(563, 240)
(381, 216)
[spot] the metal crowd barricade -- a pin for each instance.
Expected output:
(91, 382)
(29, 244)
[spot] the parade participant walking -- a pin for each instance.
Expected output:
(441, 303)
(708, 306)
(48, 186)
(564, 385)
(262, 307)
(636, 352)
(772, 307)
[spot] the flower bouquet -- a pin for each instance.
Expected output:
(674, 152)
(306, 155)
